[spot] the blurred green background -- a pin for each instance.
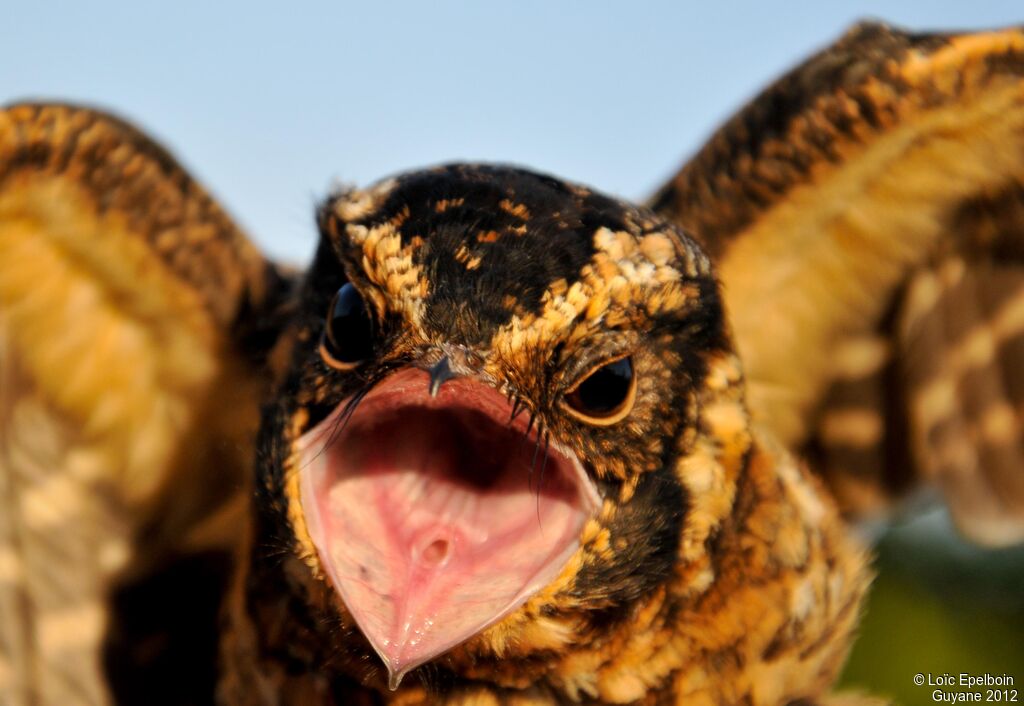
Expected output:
(938, 605)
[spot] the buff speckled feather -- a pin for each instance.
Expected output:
(508, 440)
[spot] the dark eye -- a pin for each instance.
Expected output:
(348, 335)
(605, 395)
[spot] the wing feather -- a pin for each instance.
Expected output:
(129, 394)
(865, 215)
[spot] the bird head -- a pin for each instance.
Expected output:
(512, 419)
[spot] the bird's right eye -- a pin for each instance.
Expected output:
(348, 334)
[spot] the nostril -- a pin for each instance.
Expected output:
(435, 553)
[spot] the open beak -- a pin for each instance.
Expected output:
(430, 514)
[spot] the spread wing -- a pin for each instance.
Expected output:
(133, 320)
(867, 216)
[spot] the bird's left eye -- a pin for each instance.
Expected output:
(348, 333)
(605, 395)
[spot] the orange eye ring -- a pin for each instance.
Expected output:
(332, 362)
(605, 395)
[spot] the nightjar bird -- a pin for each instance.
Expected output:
(507, 440)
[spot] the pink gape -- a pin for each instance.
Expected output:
(430, 515)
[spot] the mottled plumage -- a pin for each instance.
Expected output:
(641, 608)
(837, 277)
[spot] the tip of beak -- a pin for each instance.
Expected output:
(439, 375)
(394, 679)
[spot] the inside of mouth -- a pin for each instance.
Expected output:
(462, 446)
(436, 517)
(445, 484)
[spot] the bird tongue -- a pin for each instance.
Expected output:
(430, 516)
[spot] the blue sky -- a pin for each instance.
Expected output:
(268, 106)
